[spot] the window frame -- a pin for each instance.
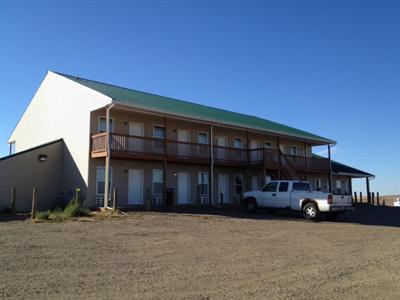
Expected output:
(97, 179)
(199, 177)
(160, 126)
(203, 132)
(153, 181)
(99, 122)
(295, 153)
(235, 138)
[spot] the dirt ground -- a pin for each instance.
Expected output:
(208, 255)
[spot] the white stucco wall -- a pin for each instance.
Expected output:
(61, 109)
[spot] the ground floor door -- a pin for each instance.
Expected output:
(135, 187)
(223, 185)
(183, 188)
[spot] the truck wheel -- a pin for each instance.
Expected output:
(332, 216)
(251, 206)
(310, 211)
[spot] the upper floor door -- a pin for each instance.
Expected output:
(136, 132)
(183, 139)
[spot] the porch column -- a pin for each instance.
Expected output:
(165, 164)
(247, 180)
(279, 159)
(330, 169)
(368, 190)
(305, 160)
(108, 158)
(211, 178)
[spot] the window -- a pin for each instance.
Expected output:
(268, 145)
(301, 186)
(157, 181)
(12, 148)
(318, 184)
(283, 186)
(202, 138)
(237, 143)
(203, 183)
(238, 184)
(270, 187)
(293, 150)
(100, 180)
(102, 124)
(159, 132)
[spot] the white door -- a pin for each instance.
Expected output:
(223, 185)
(183, 188)
(254, 155)
(183, 136)
(222, 142)
(135, 187)
(135, 143)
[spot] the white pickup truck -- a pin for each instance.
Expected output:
(297, 195)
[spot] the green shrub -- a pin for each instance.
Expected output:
(42, 215)
(75, 209)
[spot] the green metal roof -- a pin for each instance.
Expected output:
(197, 111)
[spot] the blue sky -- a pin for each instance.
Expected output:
(328, 67)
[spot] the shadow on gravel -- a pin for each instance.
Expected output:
(363, 215)
(11, 217)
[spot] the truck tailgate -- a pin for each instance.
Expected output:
(342, 200)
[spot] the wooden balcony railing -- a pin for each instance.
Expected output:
(129, 146)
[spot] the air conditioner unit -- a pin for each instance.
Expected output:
(204, 200)
(157, 200)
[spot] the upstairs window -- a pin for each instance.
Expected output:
(103, 124)
(237, 143)
(268, 145)
(159, 132)
(293, 150)
(202, 138)
(12, 148)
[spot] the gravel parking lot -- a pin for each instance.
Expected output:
(208, 255)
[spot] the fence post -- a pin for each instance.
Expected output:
(13, 203)
(361, 197)
(377, 199)
(114, 206)
(355, 197)
(384, 202)
(373, 199)
(33, 212)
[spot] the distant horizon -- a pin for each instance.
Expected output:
(328, 68)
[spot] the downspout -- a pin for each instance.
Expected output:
(330, 169)
(108, 158)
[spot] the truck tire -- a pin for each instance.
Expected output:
(251, 206)
(310, 211)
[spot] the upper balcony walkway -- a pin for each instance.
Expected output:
(146, 148)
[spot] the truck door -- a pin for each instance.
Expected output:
(283, 195)
(269, 194)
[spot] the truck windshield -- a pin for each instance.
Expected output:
(301, 186)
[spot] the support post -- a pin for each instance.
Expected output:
(211, 178)
(373, 199)
(114, 207)
(361, 199)
(377, 198)
(279, 158)
(355, 197)
(247, 179)
(330, 168)
(108, 159)
(305, 160)
(13, 199)
(164, 197)
(34, 195)
(368, 191)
